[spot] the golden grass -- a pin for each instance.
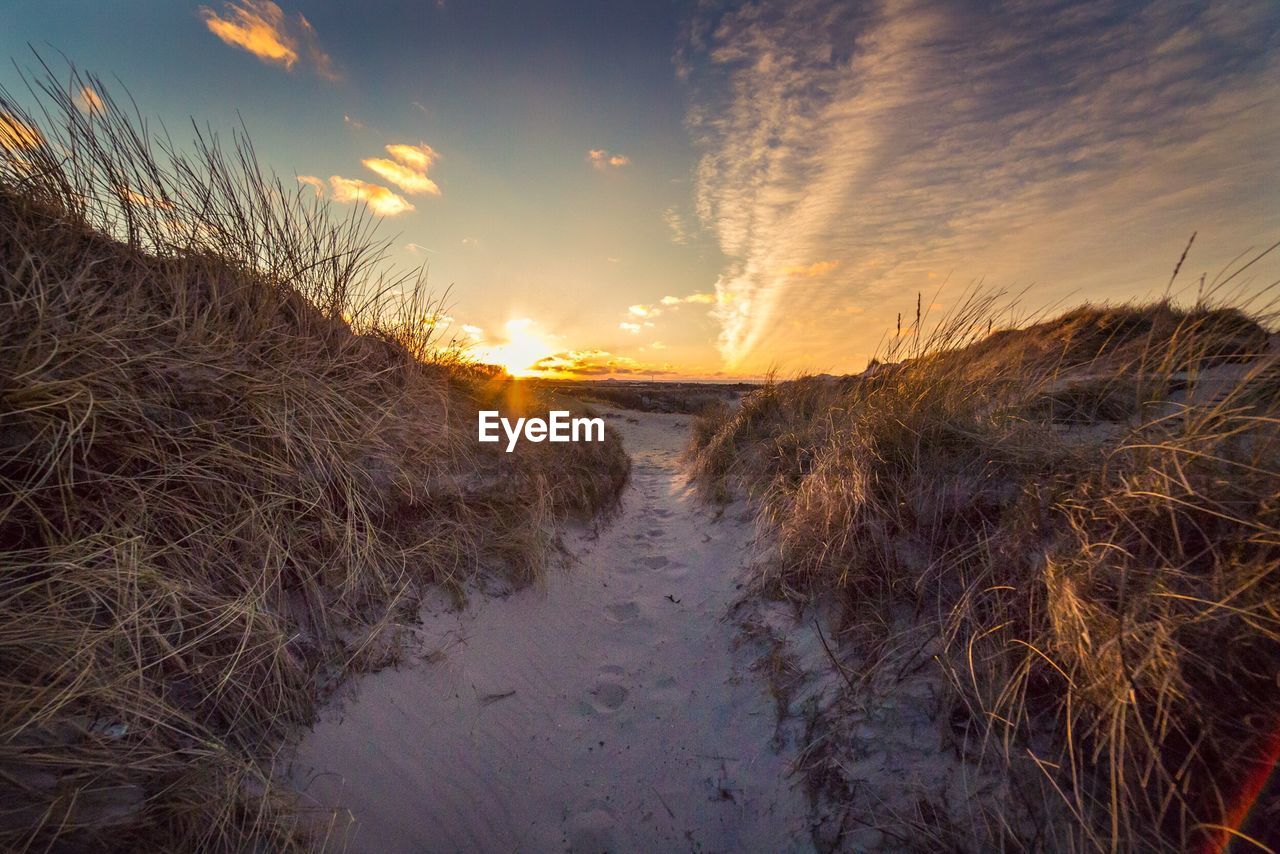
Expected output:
(1091, 507)
(231, 454)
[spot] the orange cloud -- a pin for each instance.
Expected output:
(419, 157)
(15, 135)
(133, 197)
(602, 159)
(594, 363)
(402, 176)
(261, 28)
(408, 169)
(257, 26)
(380, 200)
(811, 271)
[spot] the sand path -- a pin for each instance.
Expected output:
(604, 710)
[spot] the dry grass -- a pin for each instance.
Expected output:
(1089, 508)
(231, 454)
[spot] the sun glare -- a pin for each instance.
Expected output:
(524, 346)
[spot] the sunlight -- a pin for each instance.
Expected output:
(524, 345)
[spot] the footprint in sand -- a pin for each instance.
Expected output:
(655, 562)
(608, 696)
(623, 612)
(592, 831)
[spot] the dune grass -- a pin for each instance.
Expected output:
(1088, 510)
(232, 453)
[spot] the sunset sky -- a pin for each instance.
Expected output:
(717, 189)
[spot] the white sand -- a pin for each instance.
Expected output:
(606, 710)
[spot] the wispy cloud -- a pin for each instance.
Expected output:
(320, 61)
(905, 136)
(603, 159)
(407, 168)
(313, 182)
(680, 231)
(380, 200)
(262, 28)
(816, 270)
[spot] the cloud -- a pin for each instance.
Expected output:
(596, 363)
(680, 232)
(402, 176)
(641, 315)
(256, 26)
(89, 101)
(350, 122)
(321, 62)
(314, 183)
(16, 135)
(816, 270)
(380, 200)
(407, 171)
(408, 167)
(262, 28)
(419, 157)
(903, 136)
(133, 197)
(691, 299)
(602, 159)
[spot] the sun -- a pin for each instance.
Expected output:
(523, 347)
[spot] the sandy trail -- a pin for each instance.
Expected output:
(604, 710)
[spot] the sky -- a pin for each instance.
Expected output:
(721, 189)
